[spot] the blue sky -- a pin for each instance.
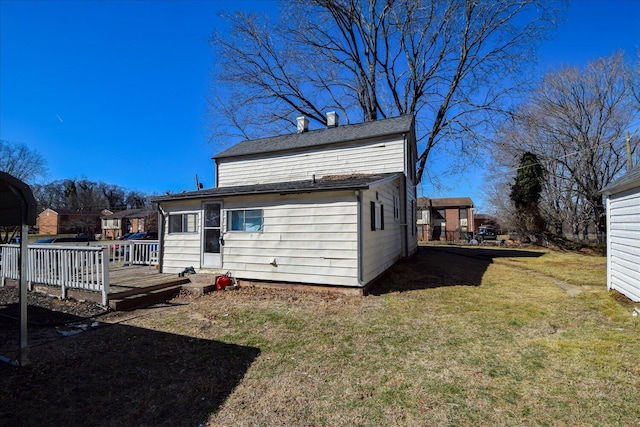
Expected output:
(115, 91)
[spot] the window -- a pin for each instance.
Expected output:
(463, 219)
(377, 217)
(396, 206)
(183, 223)
(245, 220)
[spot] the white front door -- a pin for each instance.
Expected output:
(211, 248)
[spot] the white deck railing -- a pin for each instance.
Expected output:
(132, 252)
(76, 267)
(69, 267)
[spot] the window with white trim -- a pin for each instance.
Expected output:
(245, 220)
(183, 223)
(377, 216)
(396, 206)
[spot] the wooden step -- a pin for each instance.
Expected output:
(149, 297)
(145, 289)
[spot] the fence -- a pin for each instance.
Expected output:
(69, 267)
(76, 267)
(132, 252)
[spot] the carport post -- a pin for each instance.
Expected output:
(24, 272)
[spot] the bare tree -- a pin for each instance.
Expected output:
(575, 122)
(447, 62)
(20, 161)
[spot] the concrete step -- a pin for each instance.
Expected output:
(149, 297)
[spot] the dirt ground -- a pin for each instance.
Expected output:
(90, 368)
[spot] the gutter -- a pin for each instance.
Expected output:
(360, 238)
(161, 227)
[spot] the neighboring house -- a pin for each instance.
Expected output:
(115, 225)
(68, 221)
(334, 206)
(623, 234)
(447, 219)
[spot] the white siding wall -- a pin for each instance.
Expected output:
(624, 243)
(181, 250)
(313, 239)
(382, 248)
(369, 157)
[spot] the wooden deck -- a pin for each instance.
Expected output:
(123, 279)
(124, 282)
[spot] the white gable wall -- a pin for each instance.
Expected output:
(362, 157)
(623, 243)
(181, 250)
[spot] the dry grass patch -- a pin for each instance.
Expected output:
(514, 349)
(456, 337)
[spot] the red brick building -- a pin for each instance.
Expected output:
(448, 219)
(68, 221)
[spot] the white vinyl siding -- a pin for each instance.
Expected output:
(356, 158)
(305, 239)
(382, 247)
(624, 243)
(181, 250)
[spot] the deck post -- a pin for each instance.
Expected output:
(105, 274)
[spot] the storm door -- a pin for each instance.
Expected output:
(211, 247)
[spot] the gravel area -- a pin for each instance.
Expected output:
(46, 310)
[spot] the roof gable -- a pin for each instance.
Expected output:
(321, 137)
(629, 180)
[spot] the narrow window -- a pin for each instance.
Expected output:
(373, 216)
(377, 217)
(396, 207)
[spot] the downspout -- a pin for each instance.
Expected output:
(609, 261)
(160, 238)
(215, 162)
(406, 201)
(360, 239)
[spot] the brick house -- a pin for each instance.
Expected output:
(447, 219)
(69, 221)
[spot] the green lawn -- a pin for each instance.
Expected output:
(511, 349)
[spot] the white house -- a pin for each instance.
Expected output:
(333, 207)
(623, 234)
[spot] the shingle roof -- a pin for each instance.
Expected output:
(319, 137)
(131, 213)
(445, 202)
(627, 181)
(349, 182)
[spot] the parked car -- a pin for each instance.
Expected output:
(74, 239)
(487, 232)
(47, 240)
(151, 235)
(125, 236)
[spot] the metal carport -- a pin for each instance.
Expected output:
(18, 209)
